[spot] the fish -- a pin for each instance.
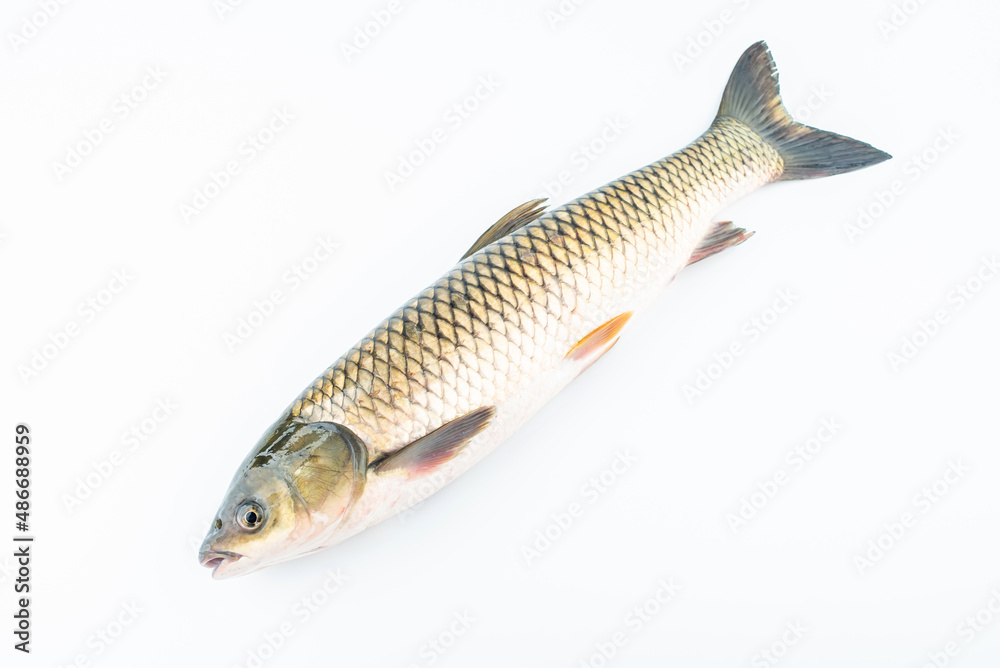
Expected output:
(538, 298)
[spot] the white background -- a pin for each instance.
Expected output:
(857, 299)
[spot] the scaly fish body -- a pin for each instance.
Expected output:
(451, 374)
(495, 330)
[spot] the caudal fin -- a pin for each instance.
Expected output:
(752, 97)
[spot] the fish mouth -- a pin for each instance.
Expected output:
(217, 559)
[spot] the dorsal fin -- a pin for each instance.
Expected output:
(436, 448)
(722, 237)
(516, 218)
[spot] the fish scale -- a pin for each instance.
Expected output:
(512, 310)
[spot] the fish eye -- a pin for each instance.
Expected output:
(250, 516)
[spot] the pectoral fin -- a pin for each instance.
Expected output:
(436, 448)
(513, 220)
(722, 237)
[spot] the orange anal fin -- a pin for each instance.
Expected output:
(722, 237)
(599, 341)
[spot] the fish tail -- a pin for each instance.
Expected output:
(752, 97)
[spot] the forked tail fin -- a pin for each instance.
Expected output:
(752, 97)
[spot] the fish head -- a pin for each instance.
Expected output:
(296, 487)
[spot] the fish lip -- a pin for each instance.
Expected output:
(215, 559)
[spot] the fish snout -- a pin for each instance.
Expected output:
(210, 557)
(216, 559)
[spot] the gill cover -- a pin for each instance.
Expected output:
(324, 464)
